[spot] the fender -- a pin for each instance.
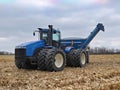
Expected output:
(68, 49)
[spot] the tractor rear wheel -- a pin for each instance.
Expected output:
(55, 60)
(81, 58)
(87, 53)
(70, 59)
(77, 58)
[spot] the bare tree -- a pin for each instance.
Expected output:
(104, 50)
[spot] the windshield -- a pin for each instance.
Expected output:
(54, 39)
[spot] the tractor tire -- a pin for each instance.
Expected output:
(70, 60)
(18, 64)
(35, 55)
(87, 54)
(77, 58)
(55, 60)
(81, 58)
(26, 65)
(41, 59)
(22, 65)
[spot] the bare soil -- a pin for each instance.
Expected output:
(102, 73)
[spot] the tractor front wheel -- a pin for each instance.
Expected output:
(55, 60)
(41, 59)
(51, 59)
(22, 64)
(18, 64)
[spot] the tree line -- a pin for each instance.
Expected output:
(104, 50)
(5, 53)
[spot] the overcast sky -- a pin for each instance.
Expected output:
(74, 18)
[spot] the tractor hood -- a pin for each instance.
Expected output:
(31, 46)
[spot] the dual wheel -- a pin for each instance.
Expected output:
(51, 59)
(77, 58)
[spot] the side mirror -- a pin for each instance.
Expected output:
(33, 33)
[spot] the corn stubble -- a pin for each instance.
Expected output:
(102, 73)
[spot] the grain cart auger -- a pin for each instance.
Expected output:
(51, 53)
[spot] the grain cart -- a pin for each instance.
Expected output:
(51, 53)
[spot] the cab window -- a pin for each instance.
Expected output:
(45, 37)
(56, 36)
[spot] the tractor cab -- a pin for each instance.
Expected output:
(50, 36)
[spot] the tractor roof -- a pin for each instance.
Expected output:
(46, 30)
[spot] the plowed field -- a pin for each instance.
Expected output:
(102, 73)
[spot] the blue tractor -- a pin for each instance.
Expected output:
(51, 53)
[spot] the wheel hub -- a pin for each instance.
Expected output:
(59, 60)
(83, 58)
